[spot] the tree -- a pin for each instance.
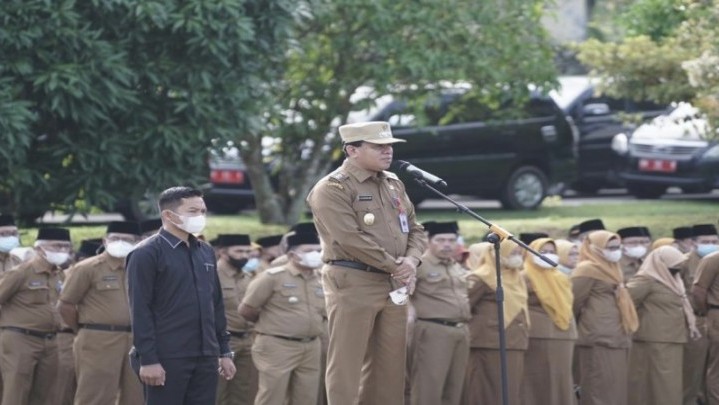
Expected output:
(102, 100)
(667, 59)
(389, 47)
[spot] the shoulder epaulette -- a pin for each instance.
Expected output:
(276, 270)
(391, 175)
(339, 176)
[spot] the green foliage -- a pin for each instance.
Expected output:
(654, 18)
(106, 99)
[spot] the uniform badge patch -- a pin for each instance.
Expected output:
(365, 198)
(368, 218)
(293, 300)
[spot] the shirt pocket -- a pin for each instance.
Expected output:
(39, 292)
(107, 285)
(290, 295)
(368, 214)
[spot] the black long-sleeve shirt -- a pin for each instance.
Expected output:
(175, 297)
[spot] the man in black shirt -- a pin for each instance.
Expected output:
(177, 312)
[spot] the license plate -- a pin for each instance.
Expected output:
(657, 165)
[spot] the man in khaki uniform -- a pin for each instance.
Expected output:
(29, 322)
(269, 250)
(440, 346)
(9, 240)
(633, 250)
(696, 351)
(94, 303)
(372, 244)
(287, 302)
(706, 297)
(683, 238)
(234, 251)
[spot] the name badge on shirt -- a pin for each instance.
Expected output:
(209, 266)
(403, 223)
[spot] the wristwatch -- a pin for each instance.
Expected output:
(228, 355)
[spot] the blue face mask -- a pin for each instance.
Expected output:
(251, 265)
(8, 243)
(704, 249)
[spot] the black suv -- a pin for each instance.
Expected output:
(514, 154)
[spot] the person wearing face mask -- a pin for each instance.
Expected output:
(236, 272)
(666, 321)
(696, 352)
(606, 319)
(287, 305)
(568, 254)
(270, 250)
(633, 250)
(29, 321)
(683, 238)
(9, 240)
(176, 307)
(482, 384)
(705, 293)
(440, 339)
(552, 332)
(93, 303)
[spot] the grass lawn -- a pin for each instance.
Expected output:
(554, 218)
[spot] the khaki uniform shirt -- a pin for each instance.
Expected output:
(234, 285)
(7, 262)
(598, 319)
(357, 214)
(707, 279)
(484, 325)
(688, 270)
(541, 325)
(98, 287)
(660, 311)
(290, 302)
(630, 266)
(28, 295)
(441, 290)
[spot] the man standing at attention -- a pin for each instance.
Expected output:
(176, 308)
(372, 245)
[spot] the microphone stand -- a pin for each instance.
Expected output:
(497, 235)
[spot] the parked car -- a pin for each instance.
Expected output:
(229, 189)
(674, 150)
(515, 154)
(599, 118)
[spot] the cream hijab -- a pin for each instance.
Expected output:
(552, 287)
(477, 254)
(594, 265)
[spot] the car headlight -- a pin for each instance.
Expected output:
(712, 153)
(620, 144)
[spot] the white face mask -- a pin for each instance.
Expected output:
(8, 243)
(541, 263)
(56, 258)
(119, 248)
(612, 255)
(192, 224)
(312, 259)
(635, 251)
(514, 262)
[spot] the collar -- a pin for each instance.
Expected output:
(436, 261)
(174, 241)
(296, 272)
(112, 262)
(359, 173)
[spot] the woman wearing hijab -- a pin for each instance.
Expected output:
(477, 253)
(483, 382)
(665, 319)
(568, 255)
(606, 319)
(552, 333)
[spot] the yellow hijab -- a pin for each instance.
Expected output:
(515, 289)
(593, 265)
(564, 248)
(551, 286)
(477, 254)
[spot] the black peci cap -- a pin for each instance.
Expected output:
(132, 228)
(150, 225)
(307, 238)
(89, 247)
(7, 220)
(632, 231)
(530, 237)
(233, 239)
(683, 232)
(434, 228)
(591, 225)
(61, 234)
(574, 231)
(704, 230)
(645, 231)
(269, 241)
(304, 227)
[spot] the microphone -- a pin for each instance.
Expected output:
(418, 173)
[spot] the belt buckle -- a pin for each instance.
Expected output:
(459, 324)
(49, 336)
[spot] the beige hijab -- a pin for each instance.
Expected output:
(515, 289)
(656, 265)
(551, 286)
(593, 265)
(564, 247)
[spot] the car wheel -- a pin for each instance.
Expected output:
(525, 189)
(646, 191)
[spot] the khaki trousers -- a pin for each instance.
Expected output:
(483, 382)
(103, 369)
(439, 363)
(655, 373)
(289, 371)
(548, 373)
(66, 382)
(603, 375)
(694, 367)
(366, 356)
(242, 389)
(29, 368)
(712, 375)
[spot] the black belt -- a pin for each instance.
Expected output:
(107, 328)
(712, 306)
(294, 339)
(238, 334)
(443, 322)
(357, 266)
(66, 330)
(30, 332)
